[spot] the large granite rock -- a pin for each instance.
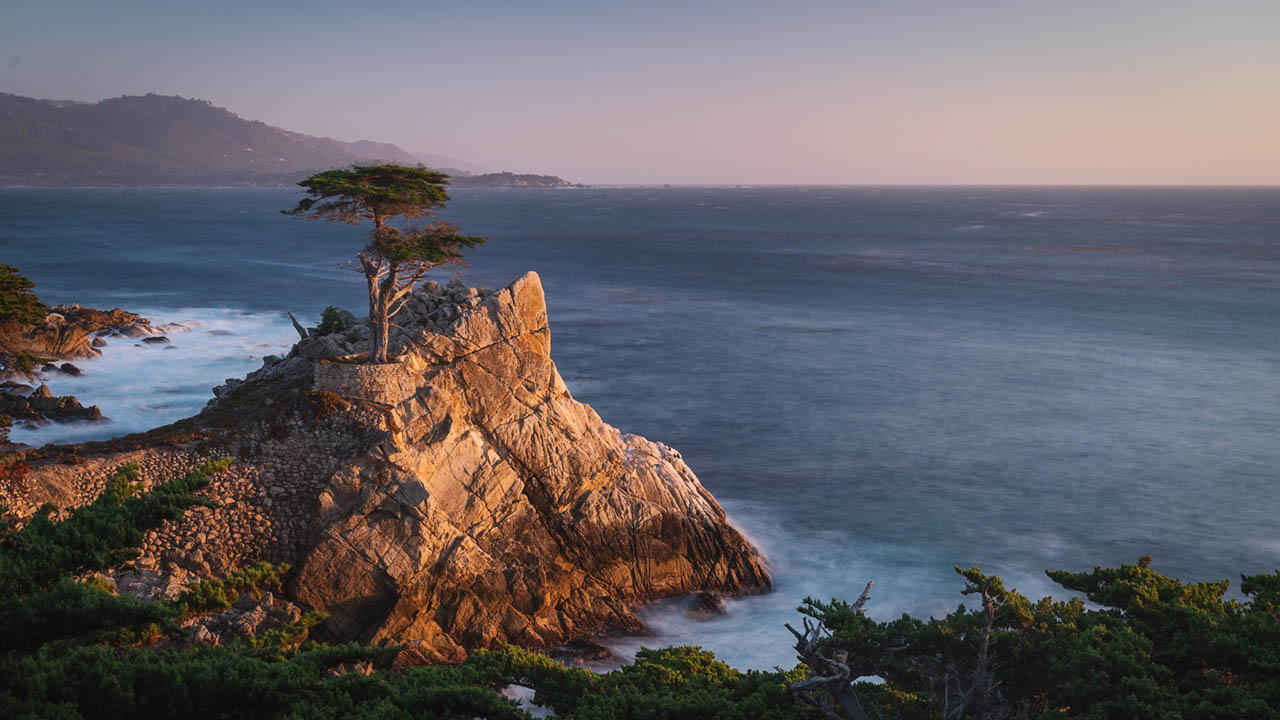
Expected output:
(453, 499)
(501, 509)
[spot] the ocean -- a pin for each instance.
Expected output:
(876, 383)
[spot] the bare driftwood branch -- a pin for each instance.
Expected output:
(298, 326)
(830, 674)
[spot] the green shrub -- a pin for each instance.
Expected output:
(672, 683)
(18, 304)
(122, 484)
(98, 536)
(1155, 647)
(1148, 646)
(220, 682)
(331, 321)
(207, 595)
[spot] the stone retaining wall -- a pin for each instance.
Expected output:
(386, 383)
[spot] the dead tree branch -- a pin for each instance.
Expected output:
(830, 676)
(298, 326)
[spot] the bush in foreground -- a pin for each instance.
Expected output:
(1153, 647)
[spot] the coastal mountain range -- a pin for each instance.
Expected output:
(168, 140)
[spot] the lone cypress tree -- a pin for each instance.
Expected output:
(395, 258)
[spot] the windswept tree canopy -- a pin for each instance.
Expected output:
(395, 258)
(438, 243)
(374, 193)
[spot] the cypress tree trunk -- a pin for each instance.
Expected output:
(380, 296)
(378, 338)
(377, 323)
(377, 305)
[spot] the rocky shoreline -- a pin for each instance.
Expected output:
(30, 353)
(456, 498)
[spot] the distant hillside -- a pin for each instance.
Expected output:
(161, 140)
(460, 167)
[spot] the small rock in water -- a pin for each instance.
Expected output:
(707, 603)
(98, 342)
(69, 369)
(41, 406)
(157, 340)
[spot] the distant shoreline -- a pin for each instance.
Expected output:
(652, 186)
(254, 186)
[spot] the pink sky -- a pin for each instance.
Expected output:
(916, 91)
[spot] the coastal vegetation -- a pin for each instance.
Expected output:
(395, 258)
(20, 308)
(18, 302)
(1144, 646)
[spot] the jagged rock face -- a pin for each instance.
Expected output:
(457, 498)
(498, 508)
(66, 333)
(41, 406)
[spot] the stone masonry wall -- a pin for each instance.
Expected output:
(386, 383)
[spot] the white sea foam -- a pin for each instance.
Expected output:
(804, 563)
(139, 386)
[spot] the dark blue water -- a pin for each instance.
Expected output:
(876, 383)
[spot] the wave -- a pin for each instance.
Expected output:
(140, 386)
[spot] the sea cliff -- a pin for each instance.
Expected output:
(456, 498)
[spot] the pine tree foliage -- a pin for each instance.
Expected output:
(395, 258)
(1154, 647)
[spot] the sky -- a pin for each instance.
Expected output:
(709, 92)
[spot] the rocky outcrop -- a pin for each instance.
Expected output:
(41, 406)
(501, 509)
(453, 499)
(27, 353)
(69, 332)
